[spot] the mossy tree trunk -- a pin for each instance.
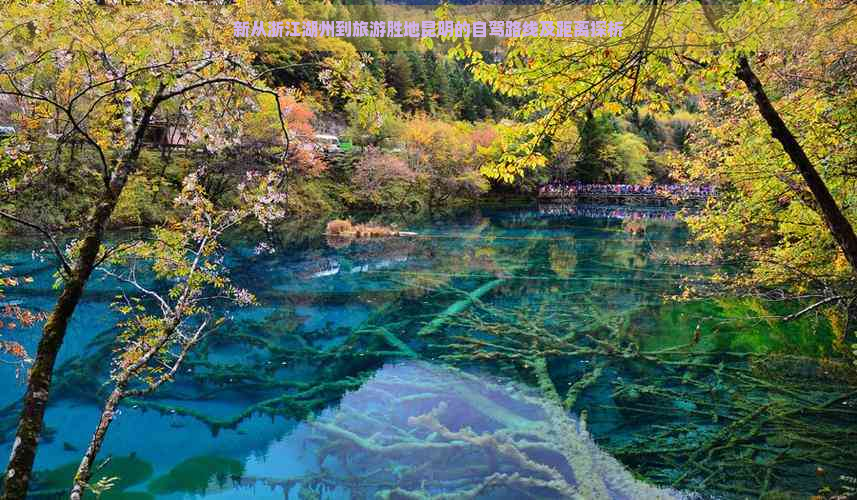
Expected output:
(20, 465)
(838, 225)
(84, 471)
(19, 469)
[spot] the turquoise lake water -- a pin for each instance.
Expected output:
(523, 352)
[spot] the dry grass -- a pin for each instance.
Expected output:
(371, 231)
(338, 227)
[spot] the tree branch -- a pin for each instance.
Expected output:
(813, 307)
(54, 246)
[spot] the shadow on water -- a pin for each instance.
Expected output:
(486, 356)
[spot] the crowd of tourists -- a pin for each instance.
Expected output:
(573, 189)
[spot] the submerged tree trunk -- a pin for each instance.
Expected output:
(835, 220)
(459, 306)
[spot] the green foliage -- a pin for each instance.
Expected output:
(595, 137)
(399, 76)
(626, 156)
(559, 79)
(72, 141)
(765, 217)
(308, 198)
(14, 164)
(128, 471)
(372, 114)
(56, 193)
(372, 120)
(185, 252)
(142, 202)
(446, 160)
(194, 475)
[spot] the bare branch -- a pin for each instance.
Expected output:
(131, 280)
(186, 347)
(54, 246)
(812, 307)
(238, 81)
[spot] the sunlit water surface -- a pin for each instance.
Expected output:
(498, 354)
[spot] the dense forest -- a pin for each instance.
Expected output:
(141, 139)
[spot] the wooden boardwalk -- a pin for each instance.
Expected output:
(641, 199)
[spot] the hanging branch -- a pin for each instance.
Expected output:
(65, 267)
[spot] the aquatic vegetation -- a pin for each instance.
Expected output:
(196, 474)
(719, 422)
(129, 471)
(738, 325)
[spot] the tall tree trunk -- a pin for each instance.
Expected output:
(835, 220)
(18, 471)
(20, 467)
(84, 470)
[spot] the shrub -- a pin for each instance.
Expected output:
(383, 180)
(338, 227)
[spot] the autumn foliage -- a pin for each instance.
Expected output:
(383, 179)
(263, 130)
(13, 316)
(446, 158)
(299, 118)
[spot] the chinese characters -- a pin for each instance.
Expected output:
(429, 29)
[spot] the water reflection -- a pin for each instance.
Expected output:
(417, 430)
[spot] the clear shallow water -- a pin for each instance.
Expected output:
(542, 331)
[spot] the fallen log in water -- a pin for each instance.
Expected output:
(458, 307)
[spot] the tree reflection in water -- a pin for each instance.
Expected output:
(417, 430)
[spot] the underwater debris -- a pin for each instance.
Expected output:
(130, 471)
(198, 475)
(728, 424)
(582, 342)
(418, 430)
(458, 307)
